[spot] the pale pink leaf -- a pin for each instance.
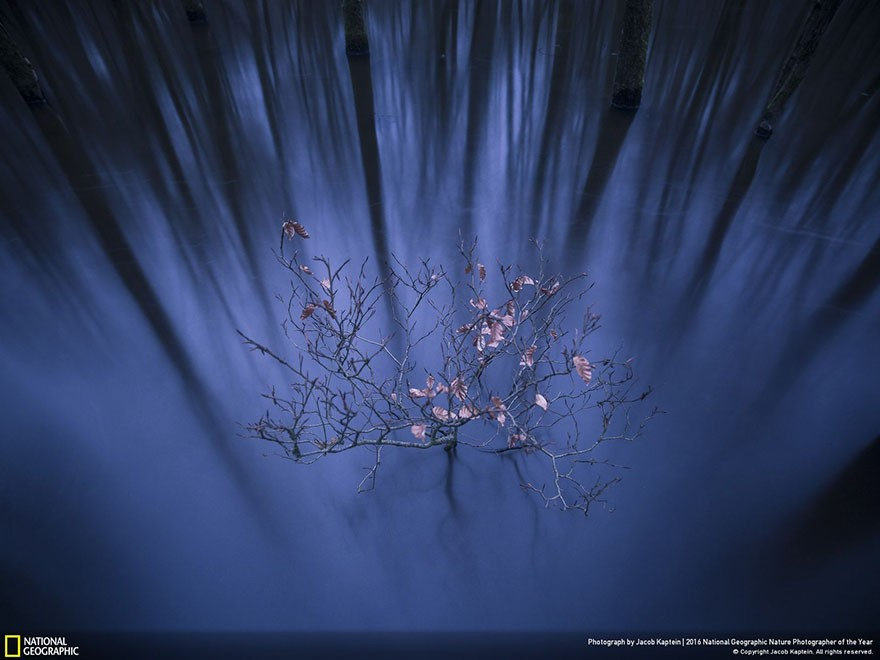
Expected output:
(458, 389)
(442, 414)
(498, 410)
(496, 335)
(467, 411)
(418, 430)
(583, 368)
(325, 284)
(417, 394)
(517, 284)
(308, 310)
(305, 269)
(527, 359)
(480, 343)
(540, 401)
(479, 303)
(481, 269)
(293, 228)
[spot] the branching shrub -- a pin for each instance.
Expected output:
(420, 358)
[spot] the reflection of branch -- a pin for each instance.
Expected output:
(511, 379)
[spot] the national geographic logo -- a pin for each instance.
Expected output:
(16, 646)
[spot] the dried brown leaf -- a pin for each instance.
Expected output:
(496, 334)
(498, 409)
(442, 414)
(583, 368)
(292, 228)
(527, 359)
(467, 411)
(458, 389)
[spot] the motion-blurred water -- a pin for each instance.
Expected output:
(139, 211)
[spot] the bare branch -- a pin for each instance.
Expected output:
(450, 366)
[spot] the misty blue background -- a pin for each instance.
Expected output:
(139, 212)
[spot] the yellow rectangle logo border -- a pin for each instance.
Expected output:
(6, 640)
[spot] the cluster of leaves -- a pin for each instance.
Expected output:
(502, 378)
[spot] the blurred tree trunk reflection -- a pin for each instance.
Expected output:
(632, 57)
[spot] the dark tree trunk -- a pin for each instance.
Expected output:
(795, 67)
(356, 42)
(20, 69)
(195, 11)
(629, 78)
